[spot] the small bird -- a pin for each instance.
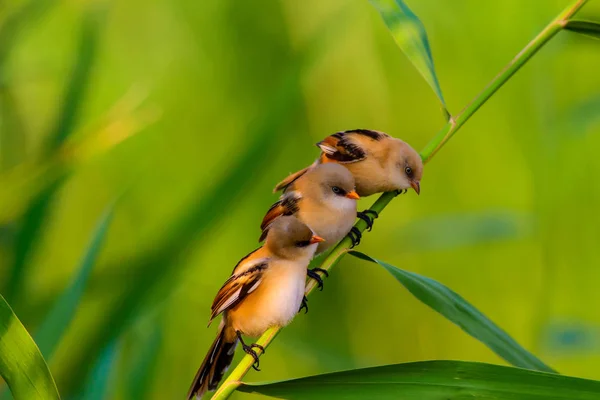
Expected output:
(266, 289)
(378, 162)
(323, 198)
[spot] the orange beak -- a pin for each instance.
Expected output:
(416, 185)
(353, 195)
(316, 239)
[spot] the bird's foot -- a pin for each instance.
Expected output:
(314, 274)
(304, 305)
(366, 216)
(400, 191)
(249, 349)
(355, 235)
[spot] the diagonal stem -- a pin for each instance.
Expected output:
(233, 381)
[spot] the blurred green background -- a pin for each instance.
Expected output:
(186, 113)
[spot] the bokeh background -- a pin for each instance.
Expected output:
(184, 114)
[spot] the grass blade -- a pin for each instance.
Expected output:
(432, 380)
(456, 309)
(410, 35)
(61, 314)
(77, 85)
(21, 363)
(588, 28)
(97, 386)
(28, 235)
(143, 364)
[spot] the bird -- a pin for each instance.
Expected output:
(324, 198)
(266, 289)
(378, 161)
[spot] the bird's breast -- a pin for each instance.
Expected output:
(275, 302)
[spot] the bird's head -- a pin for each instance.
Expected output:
(289, 238)
(408, 167)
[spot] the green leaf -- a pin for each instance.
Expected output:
(588, 28)
(28, 235)
(410, 35)
(97, 386)
(21, 363)
(63, 311)
(432, 380)
(79, 81)
(143, 362)
(452, 306)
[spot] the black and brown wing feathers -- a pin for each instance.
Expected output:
(288, 204)
(340, 147)
(236, 288)
(291, 179)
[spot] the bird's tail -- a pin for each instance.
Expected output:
(215, 363)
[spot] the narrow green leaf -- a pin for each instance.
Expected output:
(21, 363)
(28, 235)
(588, 28)
(410, 35)
(79, 81)
(97, 386)
(456, 309)
(143, 364)
(432, 380)
(63, 311)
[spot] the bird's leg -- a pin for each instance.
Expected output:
(313, 273)
(249, 349)
(355, 235)
(400, 191)
(304, 304)
(364, 215)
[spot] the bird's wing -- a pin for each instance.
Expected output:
(288, 204)
(237, 287)
(345, 147)
(291, 179)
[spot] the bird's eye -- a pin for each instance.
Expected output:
(408, 171)
(336, 190)
(303, 243)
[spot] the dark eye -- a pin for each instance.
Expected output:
(408, 171)
(303, 243)
(336, 190)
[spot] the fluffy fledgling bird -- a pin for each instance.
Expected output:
(265, 290)
(378, 162)
(324, 198)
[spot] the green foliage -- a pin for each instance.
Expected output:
(21, 364)
(456, 309)
(246, 90)
(588, 28)
(432, 380)
(62, 312)
(410, 35)
(98, 384)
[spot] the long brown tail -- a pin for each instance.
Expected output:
(215, 363)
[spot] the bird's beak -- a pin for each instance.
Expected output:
(416, 185)
(316, 239)
(353, 195)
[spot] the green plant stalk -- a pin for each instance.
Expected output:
(439, 140)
